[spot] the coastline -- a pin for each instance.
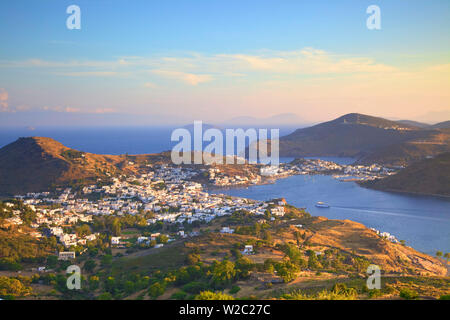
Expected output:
(422, 194)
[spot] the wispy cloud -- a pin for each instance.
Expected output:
(150, 85)
(306, 61)
(77, 110)
(4, 106)
(196, 68)
(317, 82)
(189, 78)
(89, 74)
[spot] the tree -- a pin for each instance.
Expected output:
(83, 230)
(223, 272)
(408, 294)
(52, 261)
(116, 227)
(287, 270)
(297, 236)
(269, 266)
(267, 236)
(447, 256)
(193, 258)
(157, 289)
(163, 238)
(438, 254)
(13, 287)
(90, 265)
(209, 295)
(244, 266)
(313, 262)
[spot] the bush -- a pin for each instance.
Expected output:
(408, 294)
(209, 295)
(105, 296)
(235, 289)
(10, 264)
(374, 293)
(195, 287)
(157, 289)
(193, 258)
(180, 295)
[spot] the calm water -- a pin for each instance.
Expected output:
(107, 140)
(424, 222)
(136, 140)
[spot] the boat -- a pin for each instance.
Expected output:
(320, 204)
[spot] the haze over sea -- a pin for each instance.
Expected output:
(422, 221)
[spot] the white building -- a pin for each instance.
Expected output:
(226, 230)
(248, 249)
(66, 255)
(115, 240)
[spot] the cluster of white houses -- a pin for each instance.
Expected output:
(168, 192)
(218, 178)
(386, 235)
(360, 172)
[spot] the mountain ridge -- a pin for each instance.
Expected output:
(33, 164)
(365, 138)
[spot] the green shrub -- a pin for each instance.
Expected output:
(209, 295)
(235, 289)
(408, 294)
(180, 295)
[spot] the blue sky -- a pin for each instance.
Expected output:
(160, 57)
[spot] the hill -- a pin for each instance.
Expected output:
(297, 252)
(429, 176)
(366, 138)
(414, 123)
(36, 164)
(442, 125)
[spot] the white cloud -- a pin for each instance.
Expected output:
(307, 61)
(89, 74)
(76, 110)
(189, 78)
(150, 85)
(196, 68)
(4, 107)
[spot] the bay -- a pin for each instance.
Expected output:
(422, 221)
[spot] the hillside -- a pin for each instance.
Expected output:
(429, 176)
(367, 138)
(297, 252)
(442, 125)
(36, 164)
(414, 123)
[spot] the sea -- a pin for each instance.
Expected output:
(422, 221)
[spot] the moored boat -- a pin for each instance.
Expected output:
(320, 204)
